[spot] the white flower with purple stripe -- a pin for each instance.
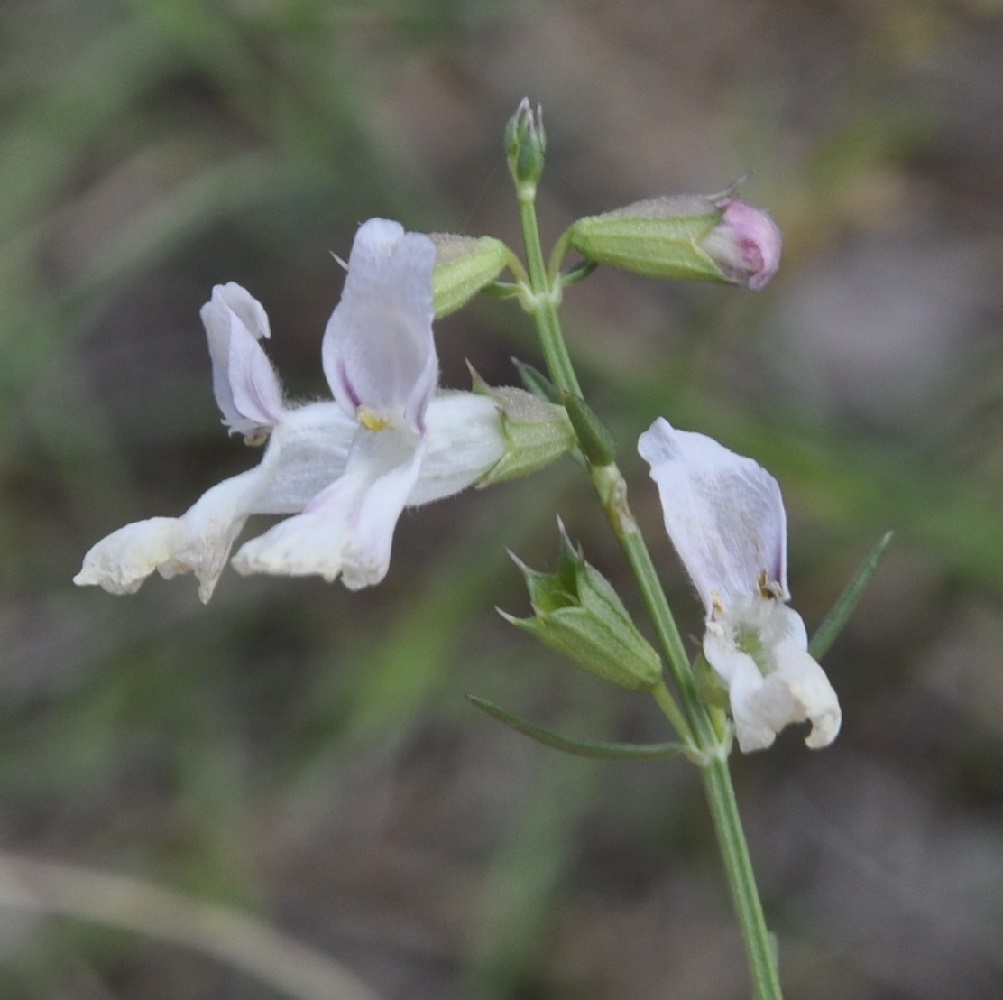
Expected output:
(344, 469)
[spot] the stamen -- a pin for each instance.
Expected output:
(374, 421)
(768, 588)
(257, 437)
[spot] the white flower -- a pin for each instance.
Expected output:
(726, 519)
(345, 469)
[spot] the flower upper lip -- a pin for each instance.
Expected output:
(378, 348)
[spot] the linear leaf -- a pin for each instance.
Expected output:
(579, 748)
(825, 635)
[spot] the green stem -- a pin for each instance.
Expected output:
(544, 297)
(672, 712)
(692, 721)
(760, 951)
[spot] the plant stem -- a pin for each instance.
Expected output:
(692, 720)
(760, 950)
(545, 296)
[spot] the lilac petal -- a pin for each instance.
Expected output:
(378, 348)
(245, 384)
(347, 529)
(746, 245)
(724, 514)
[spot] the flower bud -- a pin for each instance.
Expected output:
(578, 613)
(687, 237)
(463, 266)
(745, 245)
(536, 432)
(526, 144)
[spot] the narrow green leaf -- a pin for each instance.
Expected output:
(825, 635)
(578, 748)
(534, 381)
(594, 436)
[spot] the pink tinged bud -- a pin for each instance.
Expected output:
(684, 238)
(745, 245)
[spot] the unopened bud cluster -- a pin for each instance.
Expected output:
(526, 145)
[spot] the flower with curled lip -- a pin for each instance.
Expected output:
(344, 469)
(726, 518)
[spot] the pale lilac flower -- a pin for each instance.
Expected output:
(726, 519)
(345, 469)
(745, 244)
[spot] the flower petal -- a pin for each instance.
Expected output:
(746, 245)
(794, 689)
(199, 541)
(464, 440)
(307, 451)
(347, 529)
(247, 389)
(745, 685)
(812, 694)
(314, 442)
(723, 512)
(378, 349)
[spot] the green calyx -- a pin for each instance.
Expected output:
(658, 237)
(593, 435)
(578, 613)
(536, 432)
(464, 266)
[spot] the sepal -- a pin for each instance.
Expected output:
(593, 435)
(464, 266)
(534, 381)
(536, 432)
(711, 690)
(578, 613)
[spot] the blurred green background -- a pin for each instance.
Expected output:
(305, 755)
